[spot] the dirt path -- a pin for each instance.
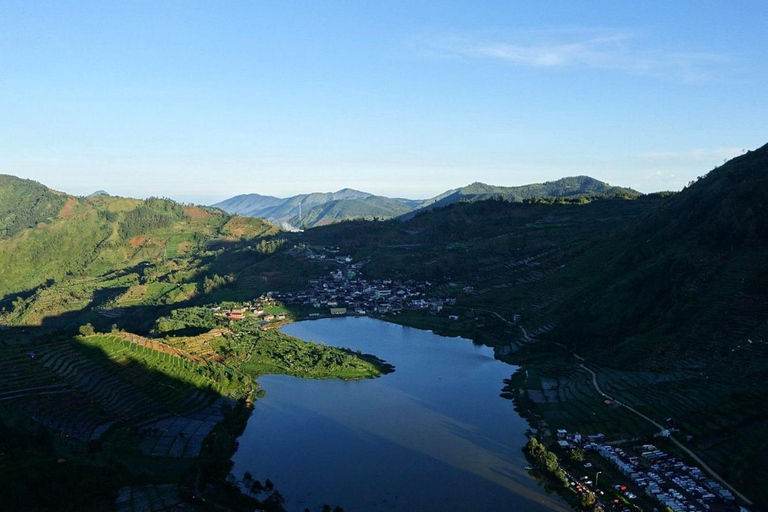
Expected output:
(508, 322)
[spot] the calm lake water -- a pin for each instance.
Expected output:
(432, 436)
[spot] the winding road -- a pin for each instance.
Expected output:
(660, 427)
(635, 411)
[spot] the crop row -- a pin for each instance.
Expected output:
(180, 436)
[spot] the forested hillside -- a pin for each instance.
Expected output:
(26, 203)
(368, 208)
(318, 209)
(574, 187)
(103, 250)
(690, 277)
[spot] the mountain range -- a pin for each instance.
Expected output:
(317, 209)
(663, 296)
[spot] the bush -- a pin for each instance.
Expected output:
(87, 330)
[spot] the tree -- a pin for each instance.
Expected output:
(87, 330)
(588, 500)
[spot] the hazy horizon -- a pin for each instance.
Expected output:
(202, 102)
(201, 200)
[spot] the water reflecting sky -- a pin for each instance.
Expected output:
(433, 435)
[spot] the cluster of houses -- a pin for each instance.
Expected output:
(668, 480)
(254, 309)
(345, 291)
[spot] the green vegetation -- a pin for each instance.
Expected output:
(368, 208)
(168, 365)
(251, 350)
(153, 214)
(663, 296)
(579, 189)
(547, 460)
(312, 210)
(105, 253)
(24, 204)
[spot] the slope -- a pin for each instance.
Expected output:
(280, 211)
(106, 250)
(26, 203)
(570, 187)
(690, 275)
(368, 208)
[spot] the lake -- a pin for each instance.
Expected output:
(432, 436)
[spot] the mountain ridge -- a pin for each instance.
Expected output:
(303, 210)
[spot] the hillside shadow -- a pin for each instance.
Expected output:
(7, 300)
(79, 421)
(135, 319)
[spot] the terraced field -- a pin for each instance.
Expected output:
(84, 387)
(151, 498)
(568, 400)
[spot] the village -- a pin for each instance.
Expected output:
(346, 291)
(633, 478)
(668, 481)
(342, 291)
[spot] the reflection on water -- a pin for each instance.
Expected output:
(434, 435)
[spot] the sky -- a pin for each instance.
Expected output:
(201, 101)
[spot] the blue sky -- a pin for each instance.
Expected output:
(200, 101)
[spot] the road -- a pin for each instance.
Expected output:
(660, 427)
(635, 411)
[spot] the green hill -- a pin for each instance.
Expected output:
(283, 211)
(25, 203)
(367, 208)
(64, 253)
(571, 187)
(317, 209)
(689, 276)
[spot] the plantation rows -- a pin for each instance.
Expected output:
(82, 388)
(711, 410)
(155, 345)
(30, 387)
(574, 404)
(71, 414)
(150, 498)
(19, 375)
(116, 396)
(201, 344)
(181, 436)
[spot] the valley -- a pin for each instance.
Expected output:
(134, 332)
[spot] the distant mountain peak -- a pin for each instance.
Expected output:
(98, 193)
(320, 208)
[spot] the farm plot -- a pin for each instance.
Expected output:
(181, 436)
(81, 388)
(150, 498)
(571, 402)
(20, 375)
(91, 377)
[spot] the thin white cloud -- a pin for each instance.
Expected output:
(581, 48)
